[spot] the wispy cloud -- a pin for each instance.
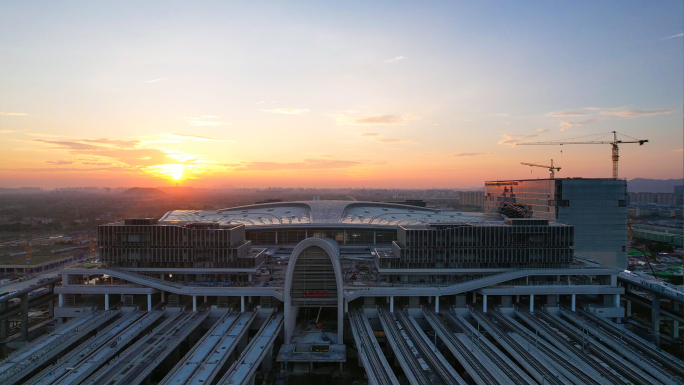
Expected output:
(511, 140)
(195, 137)
(6, 131)
(580, 123)
(306, 164)
(60, 162)
(565, 114)
(13, 114)
(459, 154)
(288, 111)
(629, 113)
(376, 137)
(543, 130)
(155, 80)
(396, 59)
(670, 37)
(379, 120)
(204, 120)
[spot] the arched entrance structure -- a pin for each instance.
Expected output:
(313, 279)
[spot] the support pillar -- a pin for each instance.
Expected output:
(194, 303)
(573, 302)
(249, 278)
(24, 317)
(531, 303)
(206, 299)
(392, 304)
(617, 300)
(61, 300)
(436, 304)
(429, 299)
(655, 317)
(106, 301)
(675, 329)
(162, 296)
(242, 303)
(628, 310)
(346, 306)
(517, 298)
(474, 297)
(149, 302)
(484, 303)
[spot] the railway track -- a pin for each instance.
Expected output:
(377, 367)
(658, 357)
(536, 364)
(512, 375)
(422, 364)
(603, 371)
(628, 371)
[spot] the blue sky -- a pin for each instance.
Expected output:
(388, 94)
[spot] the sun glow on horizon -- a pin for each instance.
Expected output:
(170, 171)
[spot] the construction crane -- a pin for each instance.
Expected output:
(614, 143)
(552, 170)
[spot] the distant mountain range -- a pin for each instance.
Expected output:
(653, 185)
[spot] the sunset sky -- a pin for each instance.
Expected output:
(335, 94)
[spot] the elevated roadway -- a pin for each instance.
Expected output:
(24, 361)
(204, 361)
(487, 364)
(85, 359)
(138, 361)
(377, 368)
(421, 361)
(242, 371)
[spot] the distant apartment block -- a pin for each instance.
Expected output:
(669, 199)
(472, 198)
(597, 208)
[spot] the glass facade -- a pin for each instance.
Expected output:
(523, 243)
(347, 236)
(313, 279)
(597, 208)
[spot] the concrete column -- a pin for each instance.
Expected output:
(613, 280)
(532, 303)
(484, 303)
(617, 300)
(429, 299)
(474, 297)
(249, 278)
(24, 317)
(61, 300)
(628, 310)
(655, 317)
(194, 303)
(392, 304)
(573, 302)
(106, 301)
(242, 303)
(436, 304)
(517, 298)
(149, 302)
(206, 299)
(675, 329)
(161, 276)
(162, 296)
(346, 306)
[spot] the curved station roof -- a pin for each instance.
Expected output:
(327, 213)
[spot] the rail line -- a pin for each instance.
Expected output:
(377, 368)
(546, 330)
(645, 348)
(209, 355)
(581, 377)
(419, 360)
(512, 372)
(621, 366)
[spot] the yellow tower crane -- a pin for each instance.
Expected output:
(614, 143)
(552, 170)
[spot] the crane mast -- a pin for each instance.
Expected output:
(614, 143)
(552, 170)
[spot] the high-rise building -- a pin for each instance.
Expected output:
(597, 208)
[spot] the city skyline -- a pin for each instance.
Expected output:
(351, 95)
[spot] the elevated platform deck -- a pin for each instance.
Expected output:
(92, 354)
(139, 360)
(377, 368)
(39, 352)
(242, 371)
(421, 361)
(203, 362)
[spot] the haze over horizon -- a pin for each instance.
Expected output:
(392, 95)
